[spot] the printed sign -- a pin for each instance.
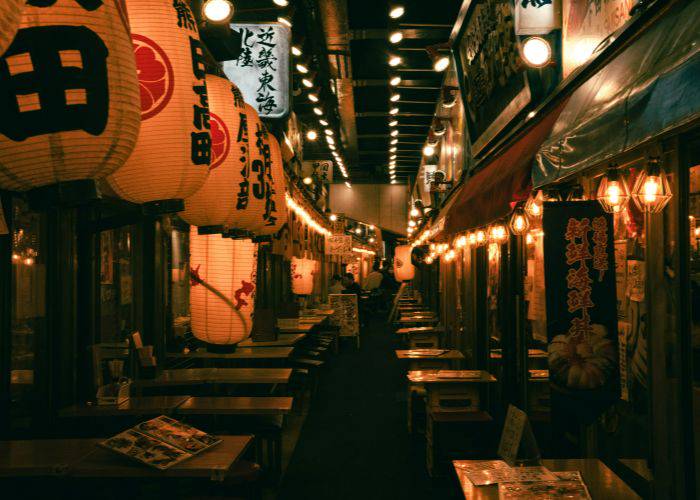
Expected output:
(517, 437)
(345, 314)
(537, 17)
(494, 85)
(581, 308)
(261, 71)
(338, 245)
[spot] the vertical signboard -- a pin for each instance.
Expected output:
(581, 309)
(493, 81)
(537, 17)
(261, 71)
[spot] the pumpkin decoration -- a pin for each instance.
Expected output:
(582, 363)
(173, 152)
(222, 293)
(10, 16)
(403, 266)
(302, 271)
(213, 204)
(69, 94)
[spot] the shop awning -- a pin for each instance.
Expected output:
(650, 88)
(488, 194)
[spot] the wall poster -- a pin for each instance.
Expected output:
(581, 309)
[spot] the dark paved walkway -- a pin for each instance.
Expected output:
(354, 443)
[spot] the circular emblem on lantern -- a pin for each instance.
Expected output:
(156, 77)
(220, 140)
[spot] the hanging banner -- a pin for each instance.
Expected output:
(262, 68)
(581, 309)
(537, 17)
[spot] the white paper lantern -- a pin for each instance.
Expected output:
(10, 17)
(222, 293)
(302, 276)
(215, 202)
(69, 95)
(276, 213)
(173, 152)
(403, 267)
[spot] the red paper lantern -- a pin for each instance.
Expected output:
(70, 94)
(403, 267)
(216, 201)
(173, 152)
(222, 293)
(10, 17)
(276, 216)
(302, 276)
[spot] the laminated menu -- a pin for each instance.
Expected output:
(484, 477)
(161, 442)
(547, 490)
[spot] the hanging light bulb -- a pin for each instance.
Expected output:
(358, 230)
(313, 97)
(307, 83)
(394, 111)
(518, 222)
(411, 223)
(533, 207)
(414, 212)
(323, 122)
(318, 111)
(395, 80)
(613, 193)
(302, 68)
(396, 37)
(530, 239)
(395, 61)
(537, 52)
(397, 11)
(311, 135)
(449, 256)
(461, 241)
(428, 260)
(471, 239)
(281, 3)
(333, 218)
(296, 51)
(498, 234)
(480, 237)
(285, 21)
(308, 181)
(651, 191)
(441, 63)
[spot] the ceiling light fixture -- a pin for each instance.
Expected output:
(313, 98)
(307, 83)
(311, 135)
(537, 52)
(394, 133)
(395, 80)
(394, 141)
(296, 51)
(392, 150)
(328, 131)
(218, 11)
(323, 122)
(281, 3)
(318, 111)
(396, 37)
(395, 97)
(428, 150)
(395, 61)
(285, 21)
(441, 64)
(397, 11)
(393, 123)
(394, 111)
(302, 68)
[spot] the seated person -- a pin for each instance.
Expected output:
(350, 286)
(336, 284)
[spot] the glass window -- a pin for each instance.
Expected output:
(28, 308)
(178, 247)
(116, 299)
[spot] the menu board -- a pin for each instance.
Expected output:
(345, 314)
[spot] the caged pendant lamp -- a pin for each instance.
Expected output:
(403, 267)
(212, 205)
(68, 95)
(173, 152)
(10, 17)
(222, 287)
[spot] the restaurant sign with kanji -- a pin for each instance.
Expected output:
(579, 261)
(261, 70)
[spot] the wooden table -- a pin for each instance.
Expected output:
(299, 328)
(236, 406)
(213, 464)
(141, 405)
(197, 376)
(602, 483)
(42, 457)
(417, 320)
(320, 312)
(429, 377)
(418, 329)
(283, 340)
(449, 358)
(459, 393)
(239, 353)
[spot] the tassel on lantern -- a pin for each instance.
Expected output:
(222, 293)
(70, 95)
(173, 153)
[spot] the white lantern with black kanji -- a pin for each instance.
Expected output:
(68, 94)
(275, 213)
(173, 152)
(213, 203)
(222, 292)
(10, 17)
(302, 276)
(403, 267)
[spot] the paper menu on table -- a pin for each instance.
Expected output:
(550, 490)
(458, 374)
(511, 475)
